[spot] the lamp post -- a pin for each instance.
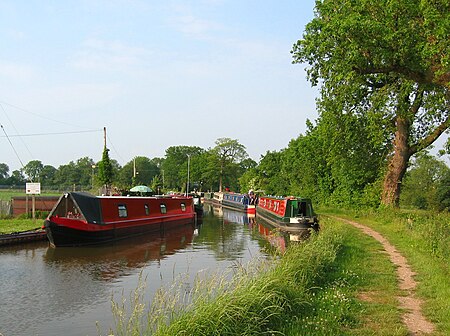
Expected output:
(135, 172)
(92, 179)
(187, 189)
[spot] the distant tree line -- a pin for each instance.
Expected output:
(309, 167)
(209, 169)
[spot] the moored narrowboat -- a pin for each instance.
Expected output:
(291, 214)
(242, 202)
(83, 219)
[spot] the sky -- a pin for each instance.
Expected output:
(156, 74)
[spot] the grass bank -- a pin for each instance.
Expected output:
(9, 225)
(338, 283)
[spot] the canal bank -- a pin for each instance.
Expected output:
(337, 283)
(37, 234)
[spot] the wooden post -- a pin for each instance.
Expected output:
(33, 207)
(26, 205)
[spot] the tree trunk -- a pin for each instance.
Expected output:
(220, 177)
(397, 165)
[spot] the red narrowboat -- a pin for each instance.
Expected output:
(83, 219)
(291, 214)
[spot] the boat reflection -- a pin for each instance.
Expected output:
(235, 216)
(279, 239)
(106, 262)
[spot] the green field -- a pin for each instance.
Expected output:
(8, 194)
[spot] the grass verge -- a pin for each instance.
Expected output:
(10, 225)
(424, 239)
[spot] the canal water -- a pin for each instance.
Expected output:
(67, 291)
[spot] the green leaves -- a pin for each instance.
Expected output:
(377, 62)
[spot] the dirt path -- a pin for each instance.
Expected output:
(413, 317)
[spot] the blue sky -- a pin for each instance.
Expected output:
(154, 73)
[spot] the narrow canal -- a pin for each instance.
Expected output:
(65, 291)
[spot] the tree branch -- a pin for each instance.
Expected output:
(419, 77)
(424, 143)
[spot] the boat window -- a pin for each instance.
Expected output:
(147, 210)
(302, 209)
(183, 207)
(122, 210)
(163, 208)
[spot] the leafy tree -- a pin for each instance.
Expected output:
(386, 57)
(443, 192)
(210, 173)
(105, 171)
(139, 171)
(307, 166)
(227, 154)
(67, 175)
(424, 186)
(272, 178)
(249, 180)
(247, 173)
(47, 175)
(175, 165)
(4, 170)
(85, 167)
(33, 170)
(16, 178)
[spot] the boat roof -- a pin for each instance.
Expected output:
(89, 206)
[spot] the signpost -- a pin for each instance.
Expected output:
(32, 189)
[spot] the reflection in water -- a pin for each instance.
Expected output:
(277, 239)
(64, 291)
(107, 262)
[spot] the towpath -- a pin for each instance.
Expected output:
(413, 317)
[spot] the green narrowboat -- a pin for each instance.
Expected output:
(291, 214)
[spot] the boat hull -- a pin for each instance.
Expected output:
(83, 219)
(291, 226)
(238, 202)
(61, 235)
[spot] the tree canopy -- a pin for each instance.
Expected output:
(386, 63)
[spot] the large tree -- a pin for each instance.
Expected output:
(384, 57)
(175, 165)
(228, 153)
(33, 170)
